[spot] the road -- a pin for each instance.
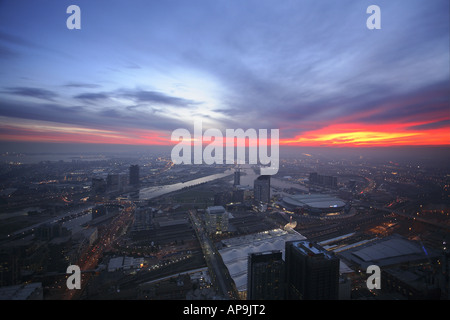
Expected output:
(218, 271)
(92, 256)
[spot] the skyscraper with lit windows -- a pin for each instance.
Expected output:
(265, 276)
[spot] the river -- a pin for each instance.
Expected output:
(247, 179)
(153, 192)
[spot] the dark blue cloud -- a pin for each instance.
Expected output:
(433, 125)
(31, 92)
(155, 97)
(103, 117)
(82, 85)
(92, 96)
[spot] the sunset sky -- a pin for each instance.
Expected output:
(137, 70)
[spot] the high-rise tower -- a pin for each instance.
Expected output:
(312, 273)
(261, 189)
(265, 276)
(134, 175)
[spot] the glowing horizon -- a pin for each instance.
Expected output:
(349, 135)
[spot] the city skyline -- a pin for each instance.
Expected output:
(134, 73)
(115, 117)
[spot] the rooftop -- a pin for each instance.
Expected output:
(311, 248)
(388, 251)
(31, 291)
(215, 210)
(320, 201)
(236, 250)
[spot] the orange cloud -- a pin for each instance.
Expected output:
(348, 134)
(46, 131)
(370, 135)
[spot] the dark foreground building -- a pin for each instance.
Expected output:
(265, 276)
(312, 273)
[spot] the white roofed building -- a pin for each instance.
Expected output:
(315, 204)
(235, 251)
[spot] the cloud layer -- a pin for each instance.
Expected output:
(311, 69)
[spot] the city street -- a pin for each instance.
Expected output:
(218, 271)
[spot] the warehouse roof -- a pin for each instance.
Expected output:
(236, 251)
(319, 201)
(388, 251)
